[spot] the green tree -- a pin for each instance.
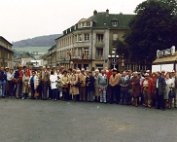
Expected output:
(154, 27)
(121, 48)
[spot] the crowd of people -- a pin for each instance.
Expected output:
(157, 90)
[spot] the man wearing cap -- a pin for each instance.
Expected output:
(114, 92)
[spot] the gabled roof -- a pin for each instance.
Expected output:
(53, 47)
(5, 40)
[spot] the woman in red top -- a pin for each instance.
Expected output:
(153, 95)
(135, 85)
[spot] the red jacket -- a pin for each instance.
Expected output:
(150, 86)
(108, 74)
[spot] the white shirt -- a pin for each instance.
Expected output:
(9, 76)
(145, 83)
(53, 81)
(157, 83)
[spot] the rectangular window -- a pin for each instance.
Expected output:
(99, 37)
(114, 23)
(99, 66)
(86, 37)
(79, 25)
(73, 52)
(99, 53)
(79, 37)
(79, 52)
(88, 24)
(75, 38)
(86, 52)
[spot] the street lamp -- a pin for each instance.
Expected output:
(70, 54)
(113, 58)
(71, 64)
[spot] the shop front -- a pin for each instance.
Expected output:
(166, 60)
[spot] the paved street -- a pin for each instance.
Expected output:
(58, 121)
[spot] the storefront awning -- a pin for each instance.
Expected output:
(166, 59)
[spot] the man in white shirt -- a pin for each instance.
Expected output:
(53, 85)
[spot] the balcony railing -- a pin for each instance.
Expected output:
(99, 44)
(81, 43)
(81, 58)
(99, 57)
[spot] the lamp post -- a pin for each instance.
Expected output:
(113, 58)
(69, 53)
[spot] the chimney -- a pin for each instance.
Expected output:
(107, 12)
(94, 12)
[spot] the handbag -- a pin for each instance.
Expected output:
(36, 94)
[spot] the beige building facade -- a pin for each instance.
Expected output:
(6, 53)
(89, 42)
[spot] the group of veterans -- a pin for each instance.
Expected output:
(147, 89)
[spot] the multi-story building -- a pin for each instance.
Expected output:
(89, 42)
(6, 53)
(50, 58)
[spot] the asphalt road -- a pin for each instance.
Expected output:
(58, 121)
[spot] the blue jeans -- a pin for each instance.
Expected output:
(2, 87)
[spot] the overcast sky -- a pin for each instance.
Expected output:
(21, 19)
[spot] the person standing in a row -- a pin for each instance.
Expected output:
(82, 80)
(9, 85)
(114, 87)
(53, 85)
(74, 88)
(3, 79)
(135, 85)
(102, 85)
(25, 85)
(124, 83)
(33, 84)
(161, 86)
(90, 88)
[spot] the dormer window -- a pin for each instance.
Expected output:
(115, 23)
(87, 24)
(80, 25)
